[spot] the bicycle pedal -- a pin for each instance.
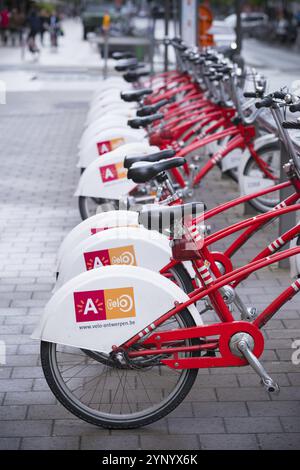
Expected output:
(271, 386)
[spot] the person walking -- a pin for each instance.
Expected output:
(4, 23)
(34, 24)
(44, 24)
(55, 29)
(13, 26)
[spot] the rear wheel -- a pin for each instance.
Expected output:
(113, 397)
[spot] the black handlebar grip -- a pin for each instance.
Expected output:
(250, 94)
(265, 103)
(279, 95)
(294, 108)
(291, 125)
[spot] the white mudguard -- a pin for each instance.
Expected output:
(107, 306)
(105, 122)
(113, 106)
(105, 85)
(251, 184)
(133, 246)
(105, 178)
(94, 224)
(132, 149)
(107, 141)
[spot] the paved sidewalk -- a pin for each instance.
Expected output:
(227, 409)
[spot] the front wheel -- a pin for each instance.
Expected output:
(117, 398)
(253, 179)
(89, 206)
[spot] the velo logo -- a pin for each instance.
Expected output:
(108, 304)
(109, 145)
(120, 255)
(112, 172)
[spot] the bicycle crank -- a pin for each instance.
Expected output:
(241, 344)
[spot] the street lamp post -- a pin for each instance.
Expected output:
(239, 38)
(167, 21)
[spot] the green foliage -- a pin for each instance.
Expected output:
(49, 7)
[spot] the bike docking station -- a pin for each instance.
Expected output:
(135, 277)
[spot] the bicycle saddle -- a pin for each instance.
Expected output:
(155, 217)
(133, 76)
(151, 109)
(136, 123)
(153, 157)
(135, 95)
(124, 66)
(123, 55)
(145, 171)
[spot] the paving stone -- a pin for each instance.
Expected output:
(242, 394)
(196, 426)
(72, 427)
(12, 412)
(279, 441)
(228, 442)
(274, 408)
(50, 443)
(10, 443)
(252, 425)
(108, 442)
(182, 442)
(220, 409)
(29, 398)
(48, 412)
(13, 385)
(23, 428)
(291, 424)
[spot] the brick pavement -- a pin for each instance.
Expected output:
(226, 409)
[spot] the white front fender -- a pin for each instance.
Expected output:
(107, 306)
(134, 246)
(125, 150)
(105, 178)
(107, 141)
(94, 224)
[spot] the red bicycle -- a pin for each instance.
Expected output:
(149, 374)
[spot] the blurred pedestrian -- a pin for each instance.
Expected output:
(16, 24)
(54, 29)
(44, 22)
(34, 24)
(4, 24)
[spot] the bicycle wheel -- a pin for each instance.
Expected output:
(116, 398)
(253, 179)
(89, 206)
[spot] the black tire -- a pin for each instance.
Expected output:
(166, 406)
(262, 204)
(83, 204)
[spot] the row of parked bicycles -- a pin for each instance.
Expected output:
(124, 334)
